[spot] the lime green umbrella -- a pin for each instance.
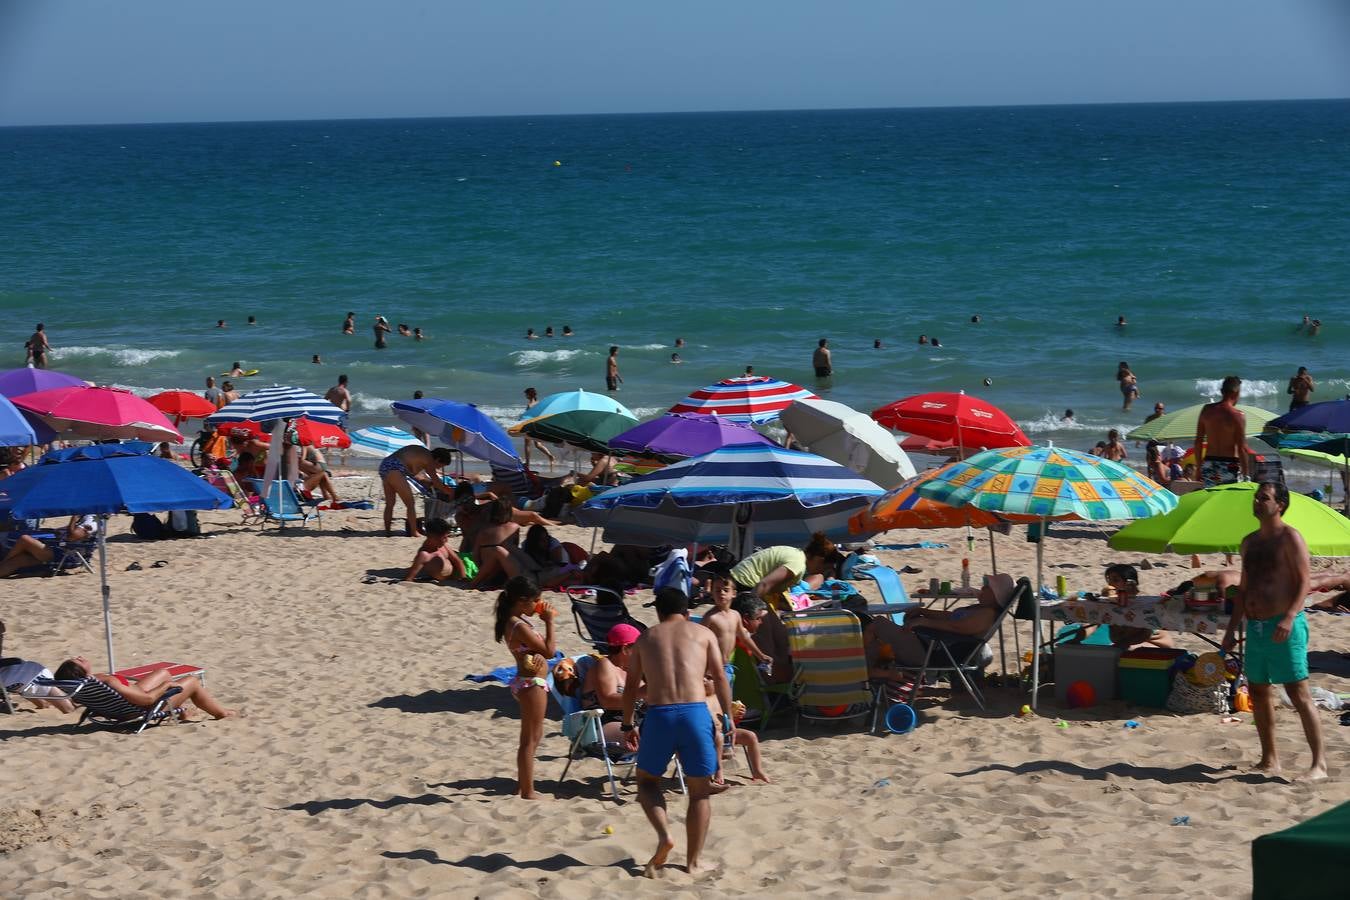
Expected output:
(1325, 461)
(1180, 425)
(1216, 520)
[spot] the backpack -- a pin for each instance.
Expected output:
(183, 523)
(147, 527)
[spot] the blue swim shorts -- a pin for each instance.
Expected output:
(1267, 662)
(683, 728)
(731, 674)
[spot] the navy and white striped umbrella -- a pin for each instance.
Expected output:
(381, 440)
(278, 402)
(778, 496)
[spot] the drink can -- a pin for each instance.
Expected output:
(1061, 585)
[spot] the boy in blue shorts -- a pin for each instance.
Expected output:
(1270, 598)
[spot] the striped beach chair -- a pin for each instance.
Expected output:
(104, 706)
(830, 682)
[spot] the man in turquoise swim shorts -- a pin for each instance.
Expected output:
(1270, 598)
(674, 656)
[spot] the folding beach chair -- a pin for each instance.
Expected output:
(757, 692)
(282, 504)
(830, 682)
(223, 479)
(596, 610)
(4, 694)
(888, 582)
(105, 707)
(963, 655)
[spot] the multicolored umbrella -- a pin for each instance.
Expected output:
(677, 436)
(460, 426)
(17, 382)
(1216, 520)
(1049, 483)
(850, 438)
(182, 405)
(381, 440)
(751, 399)
(905, 507)
(967, 421)
(1180, 425)
(100, 413)
(278, 402)
(741, 494)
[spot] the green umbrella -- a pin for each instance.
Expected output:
(1180, 425)
(1216, 520)
(589, 429)
(1323, 460)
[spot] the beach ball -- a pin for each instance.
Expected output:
(1081, 694)
(833, 710)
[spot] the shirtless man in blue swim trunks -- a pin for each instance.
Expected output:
(1270, 598)
(673, 657)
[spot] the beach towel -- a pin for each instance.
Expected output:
(504, 674)
(921, 545)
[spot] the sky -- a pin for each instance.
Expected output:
(87, 62)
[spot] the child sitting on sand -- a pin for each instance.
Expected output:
(434, 558)
(519, 599)
(742, 738)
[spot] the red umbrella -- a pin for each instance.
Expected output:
(101, 413)
(917, 443)
(311, 433)
(968, 421)
(182, 405)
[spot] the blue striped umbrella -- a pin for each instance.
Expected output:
(380, 440)
(278, 402)
(778, 496)
(460, 426)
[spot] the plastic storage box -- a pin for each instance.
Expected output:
(1098, 666)
(1146, 676)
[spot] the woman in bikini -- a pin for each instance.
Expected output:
(418, 463)
(520, 599)
(145, 692)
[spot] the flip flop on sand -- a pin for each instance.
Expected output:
(369, 579)
(159, 564)
(134, 567)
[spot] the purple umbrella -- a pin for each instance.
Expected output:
(1329, 415)
(676, 436)
(17, 382)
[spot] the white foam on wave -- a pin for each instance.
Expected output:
(121, 356)
(646, 346)
(371, 404)
(141, 391)
(1052, 422)
(1209, 388)
(504, 415)
(525, 358)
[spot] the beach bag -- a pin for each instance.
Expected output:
(184, 523)
(674, 572)
(1199, 691)
(147, 527)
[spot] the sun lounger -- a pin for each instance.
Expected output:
(104, 706)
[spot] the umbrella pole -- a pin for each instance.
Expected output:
(1036, 620)
(993, 554)
(103, 586)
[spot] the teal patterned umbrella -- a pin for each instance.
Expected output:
(1052, 483)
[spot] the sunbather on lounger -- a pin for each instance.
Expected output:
(29, 551)
(890, 646)
(146, 692)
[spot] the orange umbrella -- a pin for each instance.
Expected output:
(182, 405)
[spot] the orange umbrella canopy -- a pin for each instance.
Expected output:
(904, 508)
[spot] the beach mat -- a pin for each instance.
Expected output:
(1309, 861)
(504, 674)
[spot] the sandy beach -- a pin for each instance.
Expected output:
(367, 766)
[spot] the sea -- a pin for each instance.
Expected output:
(1213, 228)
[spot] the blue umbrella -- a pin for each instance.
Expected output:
(461, 426)
(15, 430)
(103, 480)
(742, 494)
(1329, 415)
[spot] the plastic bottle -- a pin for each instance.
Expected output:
(965, 572)
(970, 542)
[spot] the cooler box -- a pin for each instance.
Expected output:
(1145, 675)
(1098, 666)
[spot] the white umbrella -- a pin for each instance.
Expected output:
(850, 438)
(381, 440)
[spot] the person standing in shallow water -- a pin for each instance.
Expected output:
(821, 361)
(381, 328)
(612, 377)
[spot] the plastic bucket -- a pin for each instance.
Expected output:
(901, 719)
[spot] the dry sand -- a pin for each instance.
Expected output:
(367, 767)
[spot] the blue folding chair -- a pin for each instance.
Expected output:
(283, 504)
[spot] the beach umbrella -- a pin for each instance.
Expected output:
(1335, 456)
(1329, 415)
(577, 401)
(1180, 424)
(1216, 519)
(736, 495)
(182, 405)
(850, 438)
(968, 421)
(750, 399)
(586, 429)
(311, 433)
(277, 402)
(677, 436)
(15, 429)
(104, 480)
(917, 443)
(460, 426)
(381, 440)
(17, 382)
(100, 413)
(1048, 483)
